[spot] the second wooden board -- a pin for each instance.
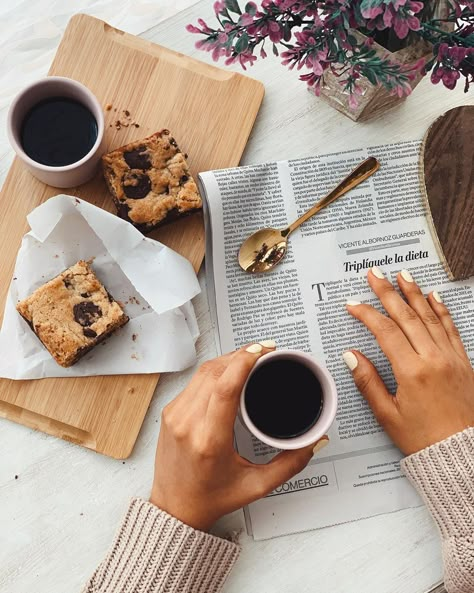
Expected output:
(448, 188)
(211, 113)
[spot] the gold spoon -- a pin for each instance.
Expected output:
(265, 248)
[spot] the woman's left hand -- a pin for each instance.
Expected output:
(199, 476)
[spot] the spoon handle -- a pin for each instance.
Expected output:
(358, 175)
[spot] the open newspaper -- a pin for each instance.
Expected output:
(300, 304)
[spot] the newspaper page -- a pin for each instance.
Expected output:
(301, 304)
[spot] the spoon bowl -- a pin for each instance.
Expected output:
(265, 248)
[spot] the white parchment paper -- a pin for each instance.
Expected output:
(154, 283)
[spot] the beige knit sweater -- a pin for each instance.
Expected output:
(155, 553)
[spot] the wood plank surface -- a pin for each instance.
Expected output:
(448, 179)
(211, 113)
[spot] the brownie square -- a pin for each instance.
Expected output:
(150, 181)
(72, 313)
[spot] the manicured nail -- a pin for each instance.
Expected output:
(353, 303)
(268, 343)
(254, 349)
(377, 272)
(405, 274)
(321, 444)
(437, 296)
(350, 359)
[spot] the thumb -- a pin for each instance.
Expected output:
(287, 464)
(371, 385)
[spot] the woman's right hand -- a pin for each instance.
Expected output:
(199, 476)
(435, 394)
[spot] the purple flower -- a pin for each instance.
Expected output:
(219, 6)
(319, 36)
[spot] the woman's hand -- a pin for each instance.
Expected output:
(198, 474)
(435, 394)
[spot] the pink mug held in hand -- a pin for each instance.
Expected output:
(329, 399)
(56, 86)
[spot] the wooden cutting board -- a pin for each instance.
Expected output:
(448, 188)
(211, 113)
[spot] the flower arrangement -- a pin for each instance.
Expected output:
(321, 36)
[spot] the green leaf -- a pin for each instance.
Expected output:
(233, 6)
(368, 5)
(242, 44)
(370, 75)
(352, 40)
(250, 8)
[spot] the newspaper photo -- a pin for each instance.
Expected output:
(301, 305)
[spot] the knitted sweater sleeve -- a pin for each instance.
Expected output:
(444, 476)
(156, 553)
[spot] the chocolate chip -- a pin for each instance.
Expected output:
(86, 313)
(137, 187)
(67, 283)
(183, 179)
(167, 189)
(89, 333)
(138, 158)
(85, 295)
(172, 141)
(110, 297)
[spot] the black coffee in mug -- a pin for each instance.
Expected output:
(58, 131)
(283, 398)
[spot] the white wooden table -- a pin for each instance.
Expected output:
(60, 504)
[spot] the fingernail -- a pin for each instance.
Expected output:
(268, 343)
(350, 359)
(353, 303)
(254, 348)
(377, 272)
(405, 274)
(321, 444)
(437, 296)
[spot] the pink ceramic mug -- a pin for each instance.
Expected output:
(56, 86)
(329, 397)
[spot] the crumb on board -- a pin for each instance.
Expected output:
(15, 278)
(16, 477)
(123, 462)
(134, 337)
(134, 356)
(56, 256)
(131, 390)
(125, 120)
(77, 200)
(108, 107)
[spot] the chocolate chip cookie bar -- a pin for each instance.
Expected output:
(150, 181)
(72, 313)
